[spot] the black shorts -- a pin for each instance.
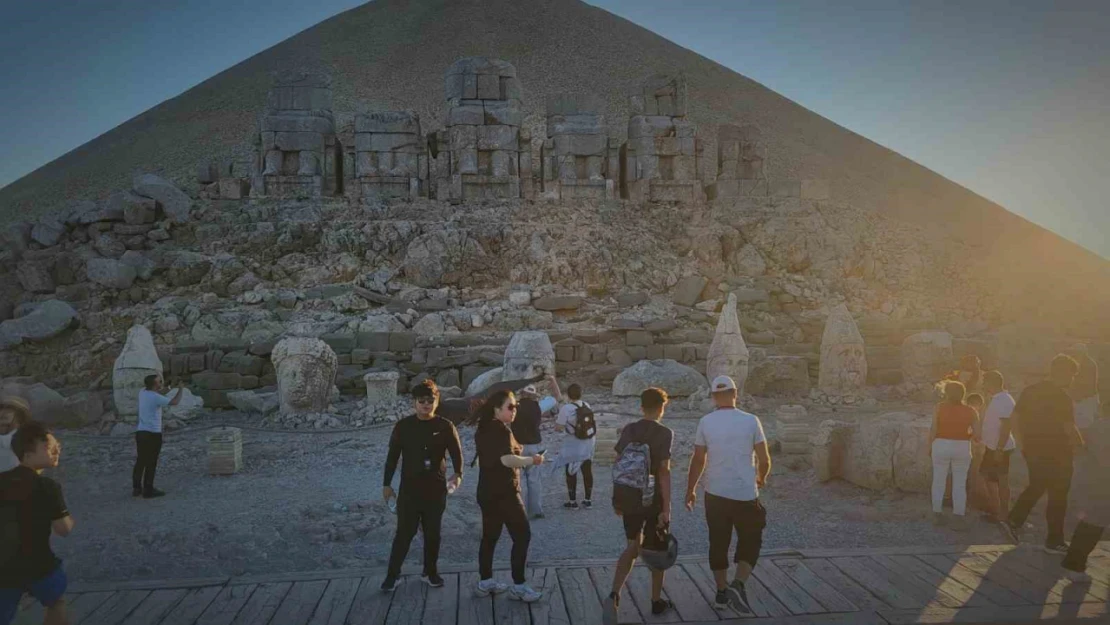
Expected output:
(995, 465)
(746, 518)
(642, 527)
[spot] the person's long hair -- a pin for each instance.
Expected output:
(484, 414)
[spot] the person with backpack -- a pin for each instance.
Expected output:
(730, 443)
(642, 497)
(31, 509)
(576, 419)
(14, 412)
(499, 463)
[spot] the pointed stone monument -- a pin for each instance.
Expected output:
(728, 354)
(843, 355)
(137, 360)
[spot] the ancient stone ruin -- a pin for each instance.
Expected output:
(299, 155)
(305, 374)
(663, 159)
(740, 156)
(136, 361)
(843, 355)
(390, 157)
(728, 354)
(578, 158)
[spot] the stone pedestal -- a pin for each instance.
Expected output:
(605, 442)
(381, 387)
(136, 361)
(225, 451)
(792, 432)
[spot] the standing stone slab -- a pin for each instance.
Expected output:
(728, 354)
(305, 374)
(136, 361)
(843, 368)
(225, 451)
(381, 387)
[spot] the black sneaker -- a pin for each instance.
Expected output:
(389, 584)
(153, 493)
(433, 580)
(586, 503)
(1056, 548)
(136, 492)
(721, 600)
(571, 505)
(738, 597)
(661, 606)
(1010, 532)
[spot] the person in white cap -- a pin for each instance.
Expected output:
(526, 429)
(731, 442)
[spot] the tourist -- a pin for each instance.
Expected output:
(732, 443)
(499, 461)
(970, 373)
(32, 567)
(999, 444)
(1093, 490)
(644, 526)
(526, 430)
(14, 412)
(950, 448)
(1044, 420)
(421, 442)
(577, 451)
(1084, 390)
(148, 435)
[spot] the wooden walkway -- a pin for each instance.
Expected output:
(977, 584)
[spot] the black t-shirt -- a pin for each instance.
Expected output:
(526, 425)
(657, 437)
(422, 447)
(39, 501)
(495, 480)
(1045, 415)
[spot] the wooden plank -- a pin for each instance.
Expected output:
(1092, 612)
(156, 606)
(190, 608)
(847, 587)
(863, 571)
(816, 587)
(407, 607)
(508, 611)
(981, 585)
(117, 607)
(335, 602)
(299, 603)
(950, 587)
(552, 609)
(1052, 572)
(226, 605)
(441, 605)
(370, 605)
(908, 550)
(147, 584)
(1099, 569)
(85, 604)
(638, 590)
(763, 603)
(790, 594)
(627, 612)
(1048, 586)
(922, 590)
(1002, 576)
(473, 610)
(688, 600)
(581, 600)
(263, 604)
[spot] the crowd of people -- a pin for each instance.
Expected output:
(1058, 424)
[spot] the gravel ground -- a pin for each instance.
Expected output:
(312, 501)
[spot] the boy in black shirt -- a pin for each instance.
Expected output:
(422, 442)
(31, 507)
(648, 527)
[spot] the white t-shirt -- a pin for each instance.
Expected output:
(573, 449)
(1001, 407)
(730, 435)
(8, 461)
(150, 411)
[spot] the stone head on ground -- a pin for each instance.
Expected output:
(305, 374)
(528, 355)
(843, 369)
(728, 354)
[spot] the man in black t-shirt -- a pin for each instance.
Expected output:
(421, 442)
(31, 508)
(526, 431)
(1044, 421)
(650, 527)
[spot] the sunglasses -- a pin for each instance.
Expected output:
(426, 400)
(511, 406)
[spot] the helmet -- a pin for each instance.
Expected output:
(661, 559)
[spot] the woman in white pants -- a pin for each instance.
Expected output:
(951, 434)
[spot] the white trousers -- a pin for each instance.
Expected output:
(954, 456)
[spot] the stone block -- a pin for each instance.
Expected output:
(381, 386)
(497, 137)
(299, 141)
(447, 377)
(557, 302)
(638, 337)
(672, 352)
(339, 343)
(234, 188)
(401, 341)
(629, 300)
(388, 121)
(473, 115)
(580, 145)
(213, 381)
(196, 363)
(587, 124)
(320, 124)
(343, 359)
(688, 290)
(360, 356)
(503, 113)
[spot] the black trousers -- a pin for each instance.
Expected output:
(414, 512)
(587, 471)
(147, 445)
(1083, 542)
(724, 516)
(504, 512)
(1051, 474)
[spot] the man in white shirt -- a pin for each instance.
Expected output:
(733, 445)
(999, 443)
(148, 435)
(14, 412)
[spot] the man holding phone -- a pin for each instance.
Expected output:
(526, 430)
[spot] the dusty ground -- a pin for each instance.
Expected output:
(312, 501)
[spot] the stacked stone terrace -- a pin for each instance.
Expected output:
(579, 159)
(299, 154)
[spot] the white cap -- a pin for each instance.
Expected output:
(722, 383)
(530, 389)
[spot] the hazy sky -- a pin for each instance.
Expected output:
(1010, 98)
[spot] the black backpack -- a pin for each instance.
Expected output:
(585, 427)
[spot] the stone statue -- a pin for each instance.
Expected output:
(305, 374)
(578, 157)
(136, 361)
(391, 158)
(728, 354)
(298, 150)
(843, 355)
(529, 354)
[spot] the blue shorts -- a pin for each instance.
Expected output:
(48, 590)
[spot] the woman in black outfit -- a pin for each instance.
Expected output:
(499, 463)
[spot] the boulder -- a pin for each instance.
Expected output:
(528, 354)
(688, 290)
(16, 236)
(439, 257)
(262, 331)
(190, 405)
(484, 381)
(133, 209)
(137, 360)
(557, 302)
(83, 408)
(843, 367)
(890, 451)
(779, 375)
(430, 325)
(675, 378)
(926, 357)
(175, 204)
(35, 277)
(210, 329)
(252, 402)
(48, 231)
(47, 320)
(144, 267)
(47, 405)
(110, 273)
(728, 354)
(188, 268)
(305, 374)
(85, 213)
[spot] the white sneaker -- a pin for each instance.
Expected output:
(523, 592)
(488, 587)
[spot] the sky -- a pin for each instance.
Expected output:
(1008, 98)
